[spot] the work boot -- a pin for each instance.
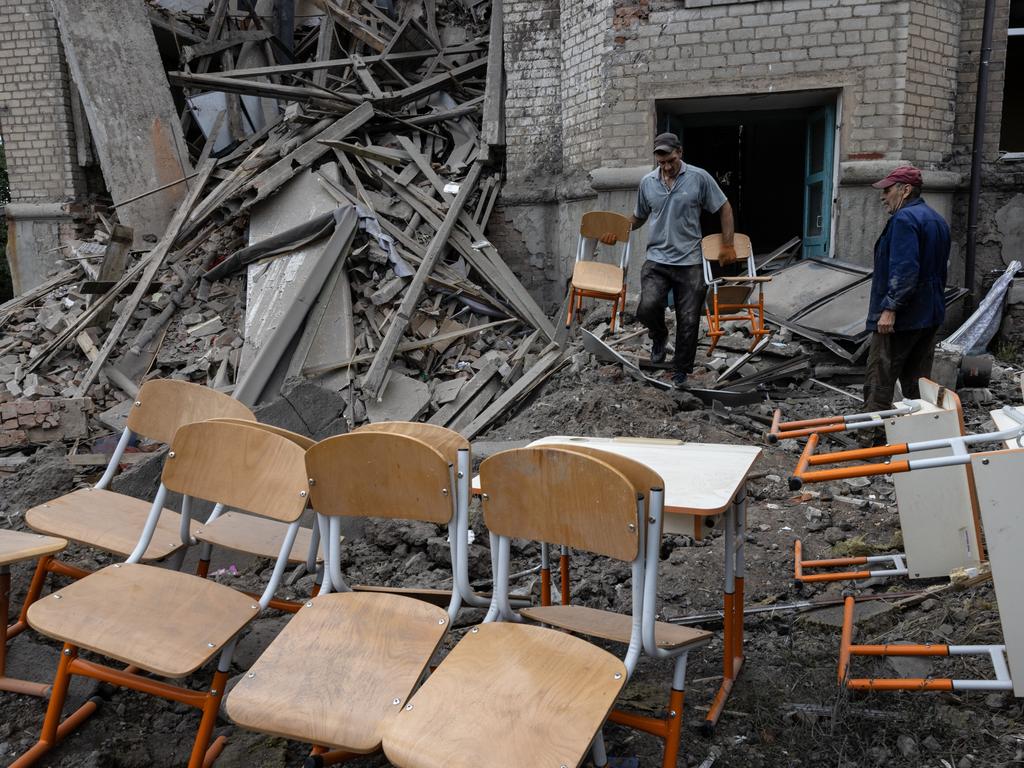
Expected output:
(657, 351)
(679, 379)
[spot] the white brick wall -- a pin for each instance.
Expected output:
(35, 112)
(906, 68)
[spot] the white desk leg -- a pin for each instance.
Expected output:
(732, 613)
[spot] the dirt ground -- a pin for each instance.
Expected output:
(786, 709)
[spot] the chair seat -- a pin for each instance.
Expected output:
(109, 521)
(508, 696)
(256, 536)
(16, 546)
(167, 622)
(597, 277)
(611, 626)
(333, 674)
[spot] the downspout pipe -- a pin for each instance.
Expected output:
(978, 148)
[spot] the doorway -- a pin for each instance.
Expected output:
(773, 156)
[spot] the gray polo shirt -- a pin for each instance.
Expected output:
(674, 233)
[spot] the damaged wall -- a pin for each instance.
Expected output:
(36, 125)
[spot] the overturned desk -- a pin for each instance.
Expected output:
(702, 481)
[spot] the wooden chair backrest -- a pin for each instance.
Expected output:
(712, 244)
(561, 497)
(240, 466)
(639, 474)
(597, 224)
(447, 441)
(305, 443)
(379, 474)
(163, 405)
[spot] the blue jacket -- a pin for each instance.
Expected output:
(911, 258)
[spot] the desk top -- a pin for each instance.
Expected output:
(1002, 421)
(700, 478)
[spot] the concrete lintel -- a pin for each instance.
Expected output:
(21, 211)
(608, 179)
(864, 172)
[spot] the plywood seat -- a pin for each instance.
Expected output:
(598, 277)
(166, 622)
(16, 546)
(607, 625)
(340, 670)
(508, 696)
(255, 536)
(108, 521)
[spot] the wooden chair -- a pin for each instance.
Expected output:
(16, 547)
(260, 536)
(112, 522)
(523, 694)
(456, 449)
(344, 666)
(162, 621)
(595, 279)
(730, 296)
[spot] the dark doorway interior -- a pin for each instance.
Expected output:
(758, 160)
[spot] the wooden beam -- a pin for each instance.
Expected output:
(374, 379)
(405, 346)
(548, 364)
(154, 260)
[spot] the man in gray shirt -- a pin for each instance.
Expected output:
(671, 197)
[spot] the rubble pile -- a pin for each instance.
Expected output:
(332, 230)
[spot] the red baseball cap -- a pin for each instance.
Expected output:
(905, 174)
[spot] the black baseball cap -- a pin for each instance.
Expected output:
(666, 142)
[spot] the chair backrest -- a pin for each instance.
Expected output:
(305, 443)
(597, 224)
(711, 245)
(447, 441)
(240, 466)
(379, 474)
(163, 405)
(561, 497)
(640, 475)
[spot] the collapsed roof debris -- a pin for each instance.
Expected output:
(333, 227)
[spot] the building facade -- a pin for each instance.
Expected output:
(795, 106)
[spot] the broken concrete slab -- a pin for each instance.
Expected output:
(134, 124)
(403, 399)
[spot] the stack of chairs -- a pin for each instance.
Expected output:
(359, 669)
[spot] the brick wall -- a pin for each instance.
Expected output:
(931, 80)
(971, 22)
(533, 110)
(35, 111)
(586, 29)
(761, 47)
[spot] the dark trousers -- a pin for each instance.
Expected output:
(688, 291)
(902, 355)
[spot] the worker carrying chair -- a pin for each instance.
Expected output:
(730, 296)
(595, 279)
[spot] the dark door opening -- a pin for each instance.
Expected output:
(763, 160)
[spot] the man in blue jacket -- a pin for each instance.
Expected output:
(907, 305)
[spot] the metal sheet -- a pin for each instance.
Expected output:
(804, 285)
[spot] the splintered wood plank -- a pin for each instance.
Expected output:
(374, 379)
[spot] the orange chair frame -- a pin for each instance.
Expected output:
(594, 226)
(711, 246)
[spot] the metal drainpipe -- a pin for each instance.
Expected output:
(980, 113)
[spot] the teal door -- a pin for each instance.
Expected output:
(818, 182)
